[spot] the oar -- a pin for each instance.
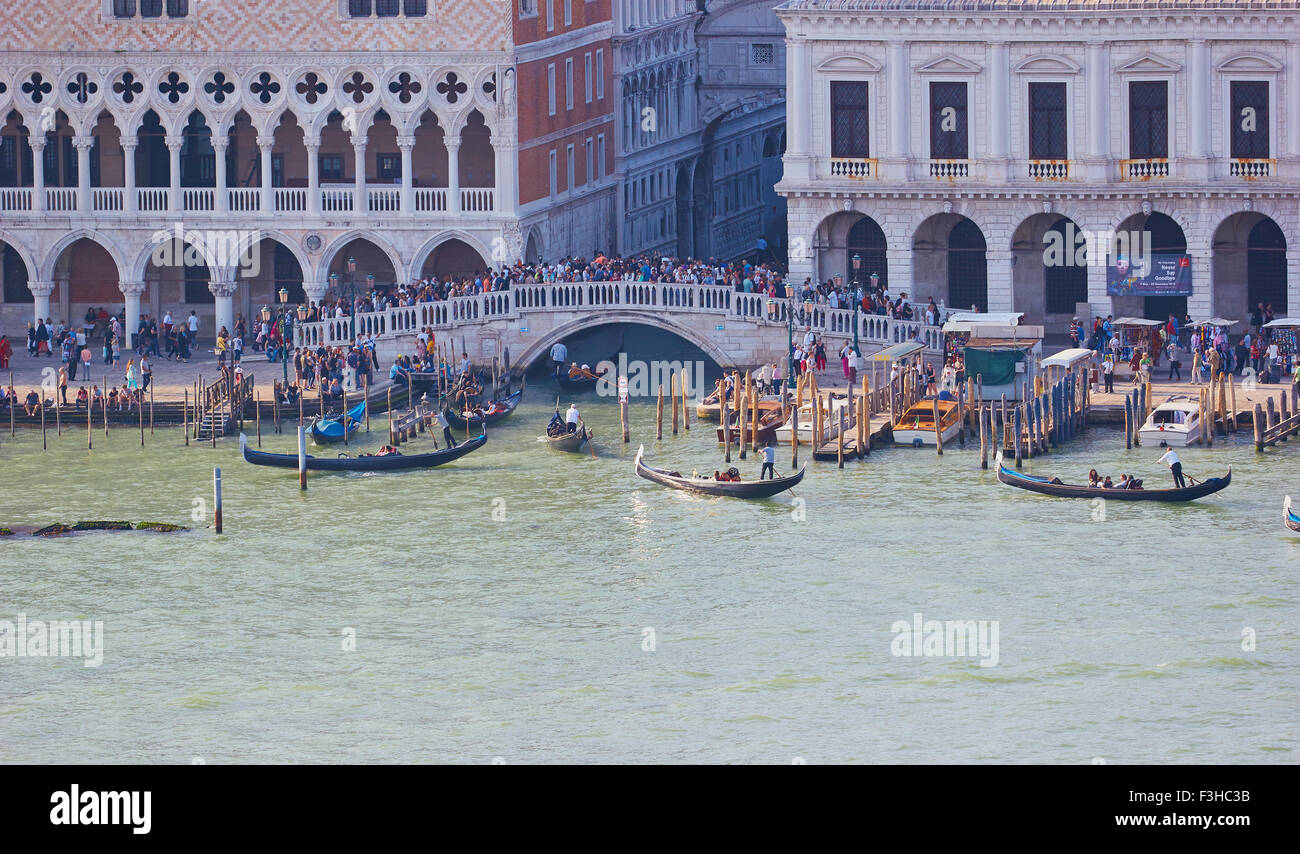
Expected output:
(789, 489)
(583, 428)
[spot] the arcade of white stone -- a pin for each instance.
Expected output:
(944, 146)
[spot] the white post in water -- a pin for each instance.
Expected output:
(302, 458)
(216, 497)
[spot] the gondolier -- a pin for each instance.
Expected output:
(769, 462)
(1175, 467)
(571, 418)
(446, 429)
(559, 354)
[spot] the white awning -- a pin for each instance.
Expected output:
(1068, 358)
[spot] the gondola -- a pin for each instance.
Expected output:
(1290, 517)
(569, 441)
(579, 383)
(328, 431)
(1064, 490)
(507, 406)
(709, 486)
(388, 462)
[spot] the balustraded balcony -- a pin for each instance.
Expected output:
(855, 168)
(1049, 170)
(949, 170)
(61, 199)
(1144, 169)
(108, 199)
(15, 199)
(1252, 168)
(244, 199)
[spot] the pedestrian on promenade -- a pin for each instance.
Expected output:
(146, 373)
(1108, 371)
(63, 383)
(6, 350)
(1175, 365)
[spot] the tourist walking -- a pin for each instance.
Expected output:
(1108, 372)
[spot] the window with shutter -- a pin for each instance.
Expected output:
(1148, 119)
(849, 125)
(1249, 119)
(1047, 122)
(948, 137)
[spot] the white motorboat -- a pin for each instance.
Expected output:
(830, 426)
(1176, 423)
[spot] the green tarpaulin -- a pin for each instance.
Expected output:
(998, 367)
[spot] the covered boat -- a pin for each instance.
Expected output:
(708, 409)
(1053, 486)
(1175, 423)
(915, 427)
(709, 486)
(365, 462)
(1289, 516)
(470, 417)
(327, 431)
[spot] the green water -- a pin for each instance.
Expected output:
(501, 608)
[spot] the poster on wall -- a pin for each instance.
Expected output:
(1160, 276)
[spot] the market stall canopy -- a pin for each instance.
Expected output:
(1068, 358)
(1216, 321)
(993, 363)
(966, 321)
(895, 352)
(1283, 321)
(1137, 321)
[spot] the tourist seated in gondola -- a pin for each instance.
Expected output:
(1106, 484)
(1094, 479)
(557, 426)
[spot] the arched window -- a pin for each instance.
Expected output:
(968, 282)
(1065, 284)
(1266, 267)
(866, 240)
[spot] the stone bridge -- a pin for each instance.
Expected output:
(737, 330)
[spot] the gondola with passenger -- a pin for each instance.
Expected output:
(1054, 486)
(391, 461)
(709, 486)
(477, 416)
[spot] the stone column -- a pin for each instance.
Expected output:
(174, 202)
(999, 111)
(41, 299)
(900, 112)
(798, 71)
(219, 145)
(359, 205)
(506, 150)
(1098, 300)
(223, 294)
(406, 144)
(264, 145)
(1201, 302)
(315, 293)
(63, 287)
(130, 198)
(1097, 155)
(83, 145)
(37, 142)
(131, 291)
(313, 177)
(1292, 149)
(1196, 166)
(1000, 289)
(453, 175)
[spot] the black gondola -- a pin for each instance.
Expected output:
(1046, 486)
(709, 486)
(508, 405)
(579, 383)
(388, 462)
(1289, 516)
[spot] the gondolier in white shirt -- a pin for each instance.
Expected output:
(441, 418)
(1175, 467)
(769, 463)
(571, 418)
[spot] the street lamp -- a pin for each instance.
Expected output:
(789, 331)
(857, 302)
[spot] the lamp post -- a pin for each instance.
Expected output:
(352, 299)
(857, 302)
(789, 331)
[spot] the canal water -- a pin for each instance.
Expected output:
(527, 606)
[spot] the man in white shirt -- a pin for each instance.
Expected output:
(559, 355)
(194, 325)
(571, 418)
(1175, 467)
(769, 462)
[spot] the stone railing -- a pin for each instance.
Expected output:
(654, 298)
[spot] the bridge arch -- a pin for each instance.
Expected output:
(541, 347)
